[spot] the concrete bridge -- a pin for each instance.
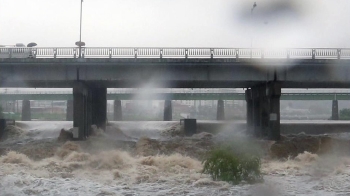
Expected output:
(262, 71)
(170, 94)
(65, 95)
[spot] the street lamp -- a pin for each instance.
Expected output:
(251, 38)
(80, 43)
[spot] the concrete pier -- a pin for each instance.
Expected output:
(2, 127)
(168, 111)
(26, 113)
(249, 100)
(263, 110)
(335, 110)
(274, 94)
(80, 111)
(99, 107)
(69, 113)
(220, 112)
(90, 107)
(118, 115)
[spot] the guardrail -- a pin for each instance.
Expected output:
(106, 52)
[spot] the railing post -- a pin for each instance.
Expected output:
(135, 53)
(338, 53)
(54, 52)
(161, 53)
(288, 53)
(82, 52)
(211, 52)
(313, 53)
(262, 53)
(10, 52)
(30, 53)
(75, 52)
(34, 52)
(110, 53)
(186, 53)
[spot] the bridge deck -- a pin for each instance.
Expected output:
(174, 73)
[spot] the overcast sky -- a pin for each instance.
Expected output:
(180, 23)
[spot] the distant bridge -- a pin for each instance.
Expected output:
(172, 96)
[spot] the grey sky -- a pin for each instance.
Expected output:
(177, 23)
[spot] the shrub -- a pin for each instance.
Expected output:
(233, 165)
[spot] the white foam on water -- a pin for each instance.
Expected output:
(77, 171)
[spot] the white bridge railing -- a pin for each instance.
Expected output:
(100, 52)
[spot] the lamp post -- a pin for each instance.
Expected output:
(30, 45)
(251, 38)
(80, 43)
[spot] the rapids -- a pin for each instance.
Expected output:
(158, 161)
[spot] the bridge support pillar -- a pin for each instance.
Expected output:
(220, 111)
(89, 107)
(26, 113)
(168, 111)
(274, 94)
(258, 101)
(118, 115)
(335, 111)
(80, 111)
(69, 113)
(99, 107)
(263, 110)
(249, 100)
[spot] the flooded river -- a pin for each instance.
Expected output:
(149, 158)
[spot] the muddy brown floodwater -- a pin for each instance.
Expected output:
(156, 159)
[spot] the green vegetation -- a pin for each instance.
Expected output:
(234, 163)
(344, 114)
